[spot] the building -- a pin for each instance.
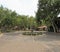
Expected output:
(42, 28)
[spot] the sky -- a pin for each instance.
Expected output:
(22, 7)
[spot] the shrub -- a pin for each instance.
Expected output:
(32, 33)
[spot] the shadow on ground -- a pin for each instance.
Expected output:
(49, 36)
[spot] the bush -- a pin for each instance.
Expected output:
(32, 33)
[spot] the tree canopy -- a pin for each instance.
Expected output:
(47, 12)
(11, 20)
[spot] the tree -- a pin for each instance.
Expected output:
(32, 22)
(48, 11)
(10, 20)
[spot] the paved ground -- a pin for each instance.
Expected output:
(15, 42)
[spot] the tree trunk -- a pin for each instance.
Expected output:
(53, 25)
(54, 28)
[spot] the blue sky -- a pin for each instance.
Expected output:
(26, 7)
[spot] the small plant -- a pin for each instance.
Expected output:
(32, 33)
